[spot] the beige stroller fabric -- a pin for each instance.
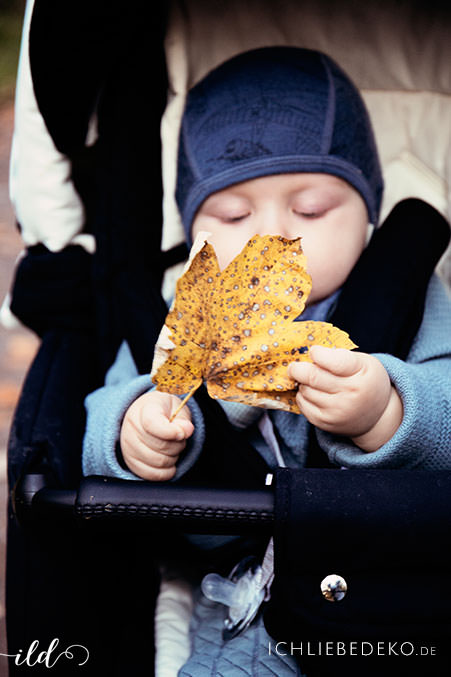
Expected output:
(399, 58)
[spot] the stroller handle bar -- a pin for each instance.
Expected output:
(103, 499)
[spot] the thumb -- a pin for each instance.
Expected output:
(184, 425)
(183, 418)
(155, 414)
(338, 361)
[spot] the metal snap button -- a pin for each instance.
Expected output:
(334, 587)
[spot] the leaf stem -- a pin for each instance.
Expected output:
(183, 402)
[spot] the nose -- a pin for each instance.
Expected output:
(272, 219)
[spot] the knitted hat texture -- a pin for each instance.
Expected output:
(269, 111)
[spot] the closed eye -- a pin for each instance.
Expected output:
(234, 219)
(309, 215)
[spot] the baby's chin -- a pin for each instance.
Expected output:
(317, 297)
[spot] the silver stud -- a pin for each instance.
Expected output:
(334, 587)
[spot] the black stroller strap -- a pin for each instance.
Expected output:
(381, 304)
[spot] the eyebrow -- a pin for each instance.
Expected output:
(218, 200)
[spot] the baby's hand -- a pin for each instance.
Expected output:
(348, 393)
(150, 443)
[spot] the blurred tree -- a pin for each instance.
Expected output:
(11, 16)
(12, 6)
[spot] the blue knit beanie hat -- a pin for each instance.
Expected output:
(274, 110)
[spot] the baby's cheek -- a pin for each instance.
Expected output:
(228, 245)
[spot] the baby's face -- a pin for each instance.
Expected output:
(328, 214)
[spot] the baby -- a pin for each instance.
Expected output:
(278, 141)
(346, 393)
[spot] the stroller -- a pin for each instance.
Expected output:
(98, 82)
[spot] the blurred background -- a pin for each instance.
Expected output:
(18, 345)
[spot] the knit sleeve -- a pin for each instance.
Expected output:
(424, 385)
(106, 408)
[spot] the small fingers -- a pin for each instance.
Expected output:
(157, 425)
(150, 463)
(314, 376)
(161, 446)
(185, 425)
(319, 398)
(322, 410)
(150, 473)
(338, 361)
(311, 411)
(150, 442)
(158, 457)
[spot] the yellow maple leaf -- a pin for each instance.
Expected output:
(235, 329)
